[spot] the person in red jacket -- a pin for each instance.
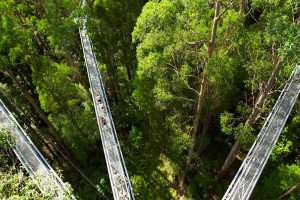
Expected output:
(103, 121)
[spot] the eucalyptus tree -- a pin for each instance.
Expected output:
(186, 66)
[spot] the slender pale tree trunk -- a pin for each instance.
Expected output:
(203, 133)
(253, 117)
(201, 96)
(196, 123)
(290, 190)
(203, 88)
(213, 35)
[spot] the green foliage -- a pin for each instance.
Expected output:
(15, 185)
(113, 47)
(282, 148)
(69, 103)
(6, 139)
(200, 185)
(139, 184)
(152, 64)
(226, 123)
(6, 145)
(39, 45)
(278, 181)
(135, 137)
(242, 132)
(151, 186)
(172, 38)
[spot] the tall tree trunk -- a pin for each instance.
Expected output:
(196, 123)
(290, 190)
(253, 116)
(203, 133)
(203, 87)
(213, 35)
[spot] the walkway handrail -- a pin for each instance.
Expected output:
(117, 171)
(248, 174)
(31, 158)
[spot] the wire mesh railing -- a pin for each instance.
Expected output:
(117, 171)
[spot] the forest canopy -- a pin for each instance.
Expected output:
(189, 83)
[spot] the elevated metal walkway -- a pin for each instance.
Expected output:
(31, 158)
(118, 175)
(247, 176)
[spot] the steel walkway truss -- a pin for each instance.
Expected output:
(118, 174)
(31, 158)
(247, 176)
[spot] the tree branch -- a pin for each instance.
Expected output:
(226, 8)
(290, 190)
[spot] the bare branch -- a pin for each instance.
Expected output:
(192, 89)
(226, 8)
(185, 98)
(290, 190)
